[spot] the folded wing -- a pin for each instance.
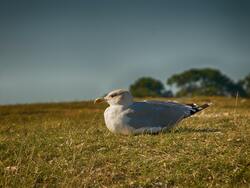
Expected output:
(156, 114)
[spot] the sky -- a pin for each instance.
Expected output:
(53, 51)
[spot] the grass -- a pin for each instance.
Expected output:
(68, 145)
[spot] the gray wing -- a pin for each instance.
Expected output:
(156, 114)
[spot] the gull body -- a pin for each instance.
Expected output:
(124, 116)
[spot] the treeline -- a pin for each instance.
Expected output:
(193, 82)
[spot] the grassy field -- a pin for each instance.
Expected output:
(68, 145)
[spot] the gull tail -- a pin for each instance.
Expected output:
(196, 108)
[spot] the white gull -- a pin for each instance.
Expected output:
(124, 116)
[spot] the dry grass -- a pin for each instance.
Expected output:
(67, 145)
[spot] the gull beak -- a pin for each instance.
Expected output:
(99, 100)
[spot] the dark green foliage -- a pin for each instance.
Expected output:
(206, 82)
(245, 83)
(147, 86)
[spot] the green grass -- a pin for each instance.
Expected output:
(68, 145)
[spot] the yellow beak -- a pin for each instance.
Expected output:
(99, 100)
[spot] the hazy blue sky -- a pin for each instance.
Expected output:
(76, 50)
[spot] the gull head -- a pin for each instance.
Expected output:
(117, 97)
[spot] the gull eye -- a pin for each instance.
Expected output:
(113, 95)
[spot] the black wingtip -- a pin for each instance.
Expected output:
(204, 106)
(195, 108)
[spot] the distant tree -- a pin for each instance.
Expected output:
(167, 93)
(147, 86)
(205, 81)
(245, 83)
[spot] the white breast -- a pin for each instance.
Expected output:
(116, 121)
